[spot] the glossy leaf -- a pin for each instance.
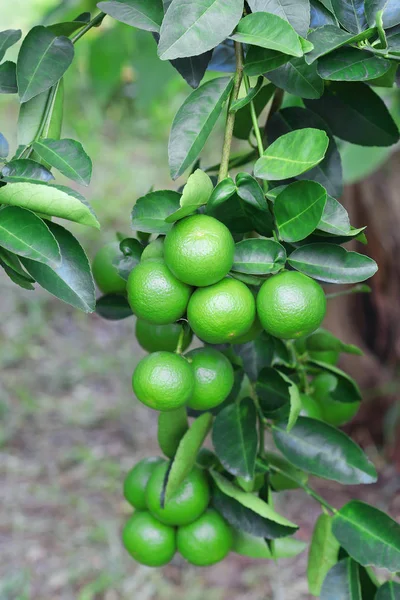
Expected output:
(25, 170)
(194, 122)
(350, 14)
(346, 389)
(273, 392)
(8, 78)
(295, 402)
(246, 544)
(326, 39)
(320, 16)
(8, 38)
(323, 553)
(66, 28)
(196, 193)
(256, 355)
(13, 268)
(282, 475)
(172, 426)
(390, 8)
(350, 64)
(223, 58)
(268, 31)
(388, 591)
(151, 211)
(251, 94)
(298, 209)
(323, 340)
(259, 257)
(138, 13)
(129, 257)
(335, 219)
(296, 12)
(298, 78)
(333, 264)
(113, 307)
(67, 156)
(342, 582)
(31, 114)
(260, 60)
(243, 121)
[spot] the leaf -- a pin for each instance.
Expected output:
(42, 61)
(72, 281)
(138, 13)
(246, 544)
(194, 122)
(273, 392)
(298, 209)
(8, 78)
(369, 535)
(292, 154)
(243, 121)
(25, 234)
(113, 307)
(131, 252)
(322, 450)
(51, 200)
(296, 12)
(320, 16)
(342, 582)
(331, 263)
(223, 58)
(31, 114)
(172, 426)
(391, 12)
(298, 78)
(323, 553)
(185, 457)
(235, 438)
(196, 193)
(388, 591)
(295, 403)
(25, 170)
(259, 61)
(351, 64)
(256, 354)
(193, 68)
(323, 340)
(251, 94)
(326, 39)
(335, 219)
(13, 268)
(188, 32)
(367, 123)
(8, 38)
(151, 211)
(346, 389)
(67, 156)
(4, 147)
(66, 28)
(259, 257)
(268, 31)
(350, 14)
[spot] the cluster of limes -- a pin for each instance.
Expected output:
(185, 522)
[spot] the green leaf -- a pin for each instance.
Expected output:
(13, 268)
(138, 13)
(4, 147)
(321, 15)
(296, 12)
(193, 68)
(8, 38)
(25, 234)
(188, 32)
(196, 193)
(25, 170)
(331, 263)
(295, 402)
(235, 438)
(113, 307)
(351, 64)
(328, 38)
(281, 472)
(251, 94)
(391, 12)
(388, 591)
(185, 457)
(67, 156)
(259, 257)
(350, 14)
(346, 389)
(292, 154)
(194, 122)
(323, 553)
(66, 28)
(335, 219)
(151, 211)
(131, 252)
(273, 391)
(342, 581)
(322, 450)
(298, 78)
(31, 114)
(246, 544)
(51, 200)
(8, 78)
(72, 282)
(42, 61)
(259, 61)
(298, 209)
(172, 426)
(243, 121)
(369, 535)
(323, 340)
(256, 354)
(268, 31)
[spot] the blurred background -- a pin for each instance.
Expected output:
(69, 426)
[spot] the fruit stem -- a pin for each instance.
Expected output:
(93, 23)
(180, 341)
(230, 119)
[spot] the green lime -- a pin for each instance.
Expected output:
(206, 541)
(199, 250)
(311, 407)
(219, 313)
(332, 412)
(155, 295)
(105, 273)
(154, 250)
(186, 505)
(150, 542)
(291, 305)
(330, 357)
(251, 334)
(161, 337)
(213, 378)
(163, 381)
(136, 481)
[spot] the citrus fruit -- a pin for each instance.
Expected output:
(136, 481)
(332, 412)
(161, 337)
(163, 381)
(291, 305)
(154, 250)
(186, 505)
(251, 334)
(206, 541)
(199, 250)
(330, 357)
(219, 313)
(150, 542)
(213, 378)
(105, 273)
(155, 295)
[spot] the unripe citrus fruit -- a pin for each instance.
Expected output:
(163, 381)
(332, 412)
(161, 337)
(150, 542)
(186, 505)
(199, 250)
(206, 541)
(155, 295)
(136, 481)
(330, 357)
(213, 378)
(105, 273)
(154, 250)
(219, 313)
(291, 305)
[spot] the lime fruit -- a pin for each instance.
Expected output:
(186, 505)
(136, 481)
(154, 250)
(221, 312)
(163, 381)
(332, 412)
(213, 378)
(155, 295)
(161, 337)
(206, 541)
(199, 250)
(291, 305)
(330, 357)
(150, 542)
(105, 273)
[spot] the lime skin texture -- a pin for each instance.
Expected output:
(206, 541)
(161, 337)
(148, 541)
(199, 250)
(186, 505)
(155, 295)
(213, 375)
(137, 479)
(163, 381)
(105, 273)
